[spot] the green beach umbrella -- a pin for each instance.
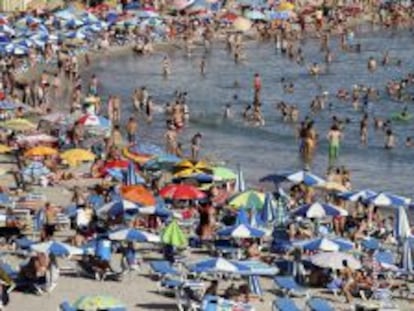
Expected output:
(173, 235)
(249, 199)
(97, 302)
(223, 173)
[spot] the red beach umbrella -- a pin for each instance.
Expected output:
(181, 192)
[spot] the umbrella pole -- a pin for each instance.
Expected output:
(18, 176)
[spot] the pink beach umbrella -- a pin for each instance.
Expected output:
(182, 4)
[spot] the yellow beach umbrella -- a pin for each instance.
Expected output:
(40, 151)
(187, 168)
(75, 156)
(18, 124)
(242, 24)
(286, 6)
(4, 149)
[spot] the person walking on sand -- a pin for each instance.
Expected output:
(334, 138)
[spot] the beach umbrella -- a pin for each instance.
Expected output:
(241, 231)
(40, 151)
(114, 164)
(182, 192)
(89, 18)
(319, 210)
(159, 209)
(385, 199)
(187, 168)
(56, 248)
(240, 185)
(7, 30)
(325, 244)
(255, 288)
(137, 194)
(255, 15)
(277, 15)
(18, 124)
(4, 199)
(66, 14)
(267, 214)
(146, 14)
(16, 49)
(131, 177)
(7, 105)
(133, 235)
(242, 217)
(286, 6)
(35, 169)
(407, 260)
(218, 265)
(162, 162)
(73, 23)
(147, 148)
(334, 260)
(402, 228)
(386, 259)
(355, 196)
(305, 177)
(94, 120)
(249, 199)
(174, 236)
(76, 156)
(255, 219)
(4, 149)
(242, 24)
(370, 243)
(118, 207)
(99, 302)
(182, 4)
(229, 16)
(223, 174)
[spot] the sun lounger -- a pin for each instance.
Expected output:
(65, 306)
(289, 286)
(319, 304)
(162, 268)
(284, 304)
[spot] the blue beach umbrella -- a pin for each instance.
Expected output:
(7, 105)
(5, 199)
(133, 235)
(355, 196)
(147, 148)
(118, 207)
(402, 228)
(35, 169)
(326, 244)
(159, 210)
(255, 15)
(66, 14)
(254, 285)
(241, 231)
(218, 265)
(385, 199)
(131, 177)
(73, 23)
(319, 210)
(242, 217)
(56, 248)
(240, 183)
(267, 214)
(7, 29)
(255, 219)
(305, 177)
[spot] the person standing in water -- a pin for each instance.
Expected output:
(257, 86)
(195, 146)
(363, 130)
(203, 66)
(166, 67)
(334, 138)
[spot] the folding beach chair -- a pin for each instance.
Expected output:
(284, 304)
(65, 306)
(288, 286)
(319, 304)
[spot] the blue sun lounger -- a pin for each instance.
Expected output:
(65, 306)
(284, 304)
(163, 268)
(288, 286)
(319, 304)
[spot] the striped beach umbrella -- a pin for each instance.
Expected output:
(241, 231)
(386, 199)
(319, 210)
(56, 248)
(133, 235)
(325, 244)
(131, 177)
(218, 265)
(304, 177)
(254, 285)
(355, 196)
